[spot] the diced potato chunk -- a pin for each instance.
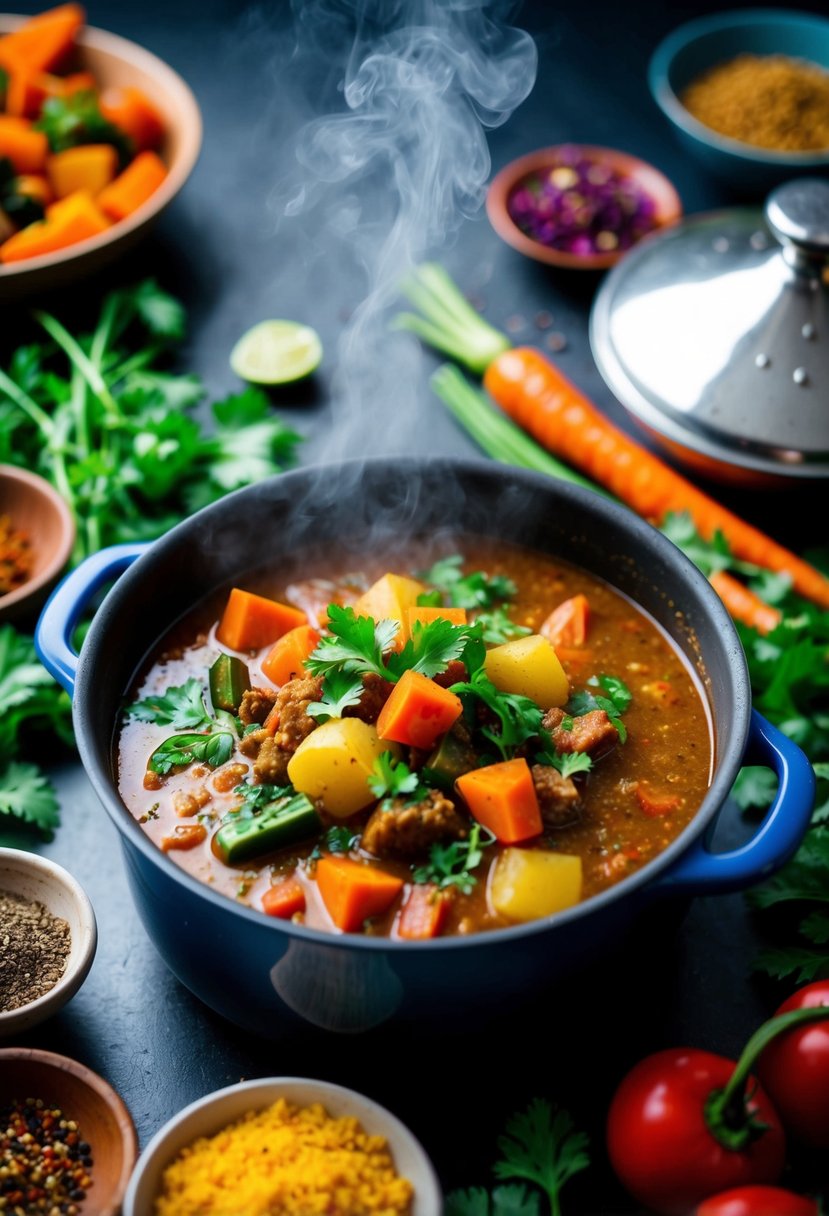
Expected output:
(530, 668)
(334, 762)
(529, 883)
(390, 599)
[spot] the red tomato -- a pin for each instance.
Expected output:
(659, 1141)
(758, 1201)
(794, 1068)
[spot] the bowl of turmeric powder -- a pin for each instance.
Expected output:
(747, 93)
(37, 533)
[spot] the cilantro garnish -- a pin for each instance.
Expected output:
(519, 717)
(27, 794)
(354, 644)
(391, 779)
(340, 691)
(513, 1200)
(256, 797)
(616, 702)
(70, 121)
(567, 763)
(181, 706)
(497, 628)
(341, 839)
(451, 865)
(213, 749)
(475, 590)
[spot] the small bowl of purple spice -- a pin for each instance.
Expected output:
(578, 206)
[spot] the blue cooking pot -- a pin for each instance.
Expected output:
(258, 971)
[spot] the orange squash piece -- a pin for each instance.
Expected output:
(354, 891)
(26, 148)
(89, 167)
(284, 899)
(44, 41)
(251, 621)
(417, 711)
(133, 187)
(456, 616)
(73, 219)
(502, 797)
(287, 657)
(567, 625)
(424, 913)
(133, 113)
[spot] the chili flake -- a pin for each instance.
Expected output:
(45, 1164)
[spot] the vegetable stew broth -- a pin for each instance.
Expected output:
(615, 804)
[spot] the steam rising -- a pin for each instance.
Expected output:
(389, 178)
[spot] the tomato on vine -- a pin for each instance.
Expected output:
(794, 1069)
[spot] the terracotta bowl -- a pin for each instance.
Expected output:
(649, 180)
(36, 509)
(103, 1119)
(210, 1114)
(116, 62)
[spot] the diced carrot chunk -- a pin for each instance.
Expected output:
(417, 711)
(502, 797)
(654, 805)
(89, 167)
(133, 187)
(78, 82)
(44, 41)
(251, 621)
(26, 148)
(33, 185)
(284, 899)
(424, 913)
(567, 625)
(354, 891)
(133, 113)
(457, 616)
(185, 836)
(73, 219)
(285, 660)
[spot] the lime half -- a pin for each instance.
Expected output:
(276, 352)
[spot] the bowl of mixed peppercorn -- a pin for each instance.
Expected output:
(67, 1142)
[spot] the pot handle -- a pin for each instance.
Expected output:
(68, 602)
(701, 872)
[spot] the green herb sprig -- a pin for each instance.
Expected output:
(392, 779)
(182, 706)
(452, 865)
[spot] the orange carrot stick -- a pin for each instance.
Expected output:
(424, 913)
(26, 148)
(502, 797)
(456, 616)
(743, 604)
(284, 899)
(133, 187)
(353, 892)
(73, 219)
(418, 711)
(250, 621)
(285, 660)
(130, 110)
(44, 41)
(567, 625)
(543, 401)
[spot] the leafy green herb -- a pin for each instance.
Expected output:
(519, 718)
(544, 1148)
(27, 794)
(181, 706)
(95, 415)
(341, 839)
(497, 628)
(451, 865)
(475, 590)
(754, 787)
(391, 779)
(70, 121)
(340, 691)
(354, 644)
(511, 1200)
(567, 763)
(257, 797)
(180, 750)
(616, 702)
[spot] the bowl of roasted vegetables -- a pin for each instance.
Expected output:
(378, 737)
(97, 136)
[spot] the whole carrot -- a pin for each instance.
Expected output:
(742, 604)
(544, 402)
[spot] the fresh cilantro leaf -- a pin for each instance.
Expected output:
(391, 779)
(709, 556)
(502, 1201)
(354, 644)
(257, 797)
(180, 750)
(771, 586)
(161, 314)
(434, 645)
(451, 865)
(150, 390)
(27, 794)
(341, 839)
(616, 689)
(30, 700)
(815, 927)
(249, 444)
(519, 717)
(475, 590)
(755, 787)
(497, 628)
(614, 704)
(567, 763)
(68, 122)
(340, 690)
(804, 878)
(793, 962)
(181, 706)
(544, 1148)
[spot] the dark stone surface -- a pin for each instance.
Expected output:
(220, 248)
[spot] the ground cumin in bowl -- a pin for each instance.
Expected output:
(748, 94)
(284, 1147)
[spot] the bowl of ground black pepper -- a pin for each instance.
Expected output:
(748, 94)
(47, 939)
(67, 1141)
(37, 533)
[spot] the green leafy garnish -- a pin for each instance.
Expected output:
(567, 763)
(181, 706)
(616, 702)
(27, 794)
(475, 590)
(70, 121)
(179, 750)
(754, 787)
(391, 779)
(341, 839)
(451, 865)
(257, 797)
(519, 717)
(544, 1148)
(355, 644)
(511, 1200)
(497, 628)
(340, 691)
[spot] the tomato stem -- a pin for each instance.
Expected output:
(727, 1114)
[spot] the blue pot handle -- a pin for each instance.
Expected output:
(700, 872)
(67, 604)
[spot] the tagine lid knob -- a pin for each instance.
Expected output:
(798, 215)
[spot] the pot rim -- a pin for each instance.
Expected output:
(601, 509)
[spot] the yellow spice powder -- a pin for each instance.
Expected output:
(770, 101)
(285, 1161)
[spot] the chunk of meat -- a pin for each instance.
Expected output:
(558, 798)
(409, 831)
(291, 705)
(271, 764)
(257, 703)
(455, 674)
(375, 694)
(592, 732)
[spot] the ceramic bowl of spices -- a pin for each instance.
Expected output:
(578, 206)
(747, 93)
(48, 938)
(283, 1144)
(76, 1122)
(37, 533)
